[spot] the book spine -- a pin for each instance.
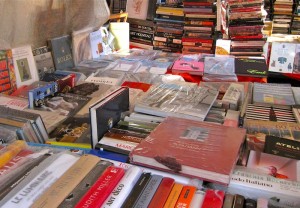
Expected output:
(123, 145)
(173, 196)
(38, 181)
(238, 201)
(198, 198)
(162, 193)
(98, 193)
(186, 196)
(58, 191)
(228, 201)
(149, 191)
(11, 151)
(136, 190)
(73, 198)
(123, 188)
(213, 198)
(123, 137)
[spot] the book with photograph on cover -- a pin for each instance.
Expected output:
(166, 149)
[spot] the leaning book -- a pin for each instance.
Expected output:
(188, 147)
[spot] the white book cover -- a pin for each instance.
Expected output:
(282, 57)
(100, 43)
(137, 9)
(25, 67)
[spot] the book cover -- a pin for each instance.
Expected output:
(169, 153)
(176, 100)
(282, 147)
(44, 61)
(186, 196)
(190, 63)
(75, 195)
(61, 49)
(101, 188)
(137, 9)
(213, 198)
(107, 112)
(251, 66)
(61, 188)
(173, 196)
(8, 82)
(24, 64)
(273, 165)
(162, 193)
(100, 43)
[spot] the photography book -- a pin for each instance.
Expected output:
(166, 149)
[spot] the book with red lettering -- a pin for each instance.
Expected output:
(98, 193)
(213, 198)
(191, 148)
(162, 193)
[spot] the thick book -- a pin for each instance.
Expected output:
(101, 188)
(162, 151)
(61, 48)
(176, 100)
(59, 190)
(107, 112)
(282, 147)
(162, 193)
(123, 188)
(75, 195)
(8, 83)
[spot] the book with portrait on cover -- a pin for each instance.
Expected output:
(188, 147)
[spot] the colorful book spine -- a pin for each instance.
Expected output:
(136, 190)
(186, 196)
(123, 189)
(162, 193)
(198, 198)
(54, 195)
(11, 151)
(98, 193)
(213, 198)
(173, 196)
(149, 191)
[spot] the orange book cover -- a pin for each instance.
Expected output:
(173, 196)
(185, 196)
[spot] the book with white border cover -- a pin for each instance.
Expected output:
(137, 9)
(41, 177)
(25, 67)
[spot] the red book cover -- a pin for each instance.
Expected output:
(191, 148)
(213, 199)
(137, 85)
(162, 193)
(98, 193)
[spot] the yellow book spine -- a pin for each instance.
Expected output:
(70, 144)
(11, 151)
(173, 196)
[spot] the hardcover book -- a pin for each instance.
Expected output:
(107, 112)
(169, 153)
(176, 100)
(61, 48)
(8, 82)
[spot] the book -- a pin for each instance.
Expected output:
(186, 196)
(24, 64)
(273, 94)
(44, 61)
(228, 200)
(173, 196)
(251, 66)
(276, 166)
(120, 31)
(101, 188)
(123, 188)
(282, 147)
(162, 193)
(213, 198)
(60, 189)
(61, 49)
(138, 10)
(81, 46)
(250, 203)
(198, 137)
(8, 82)
(99, 43)
(149, 191)
(189, 63)
(198, 198)
(238, 201)
(75, 195)
(172, 99)
(116, 145)
(136, 191)
(107, 112)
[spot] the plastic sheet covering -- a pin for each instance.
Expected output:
(35, 21)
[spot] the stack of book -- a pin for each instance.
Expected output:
(283, 13)
(200, 20)
(244, 21)
(169, 23)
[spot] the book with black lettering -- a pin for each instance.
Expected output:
(251, 66)
(282, 147)
(136, 190)
(61, 48)
(44, 61)
(106, 113)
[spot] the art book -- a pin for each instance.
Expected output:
(166, 149)
(24, 64)
(137, 9)
(7, 72)
(176, 100)
(282, 57)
